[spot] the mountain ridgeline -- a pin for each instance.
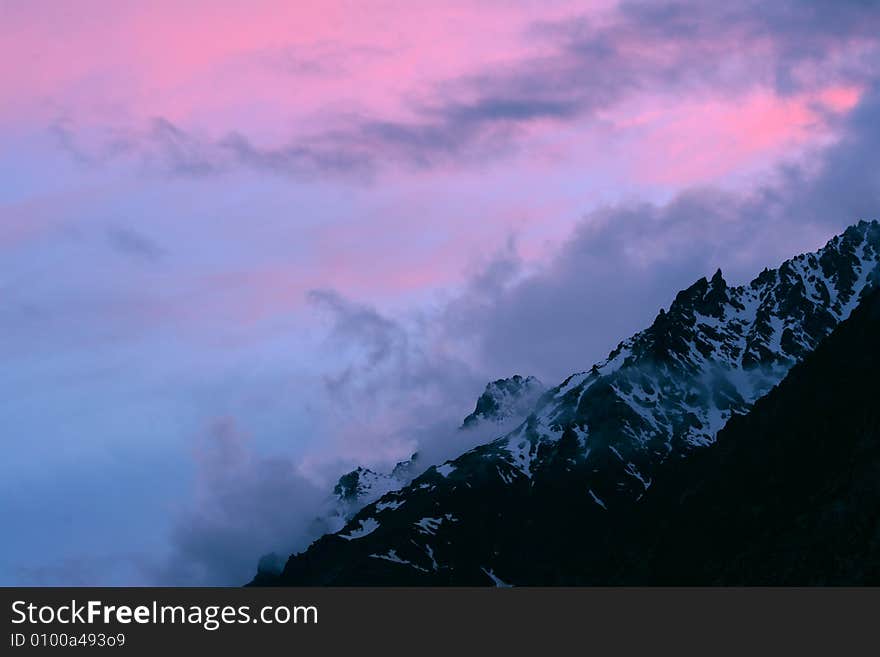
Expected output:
(502, 402)
(619, 475)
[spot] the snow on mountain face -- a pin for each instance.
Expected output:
(505, 399)
(352, 492)
(670, 388)
(502, 401)
(363, 486)
(660, 394)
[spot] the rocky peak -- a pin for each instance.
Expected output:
(504, 399)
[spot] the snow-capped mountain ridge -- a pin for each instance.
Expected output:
(660, 394)
(502, 401)
(735, 342)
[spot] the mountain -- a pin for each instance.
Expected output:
(362, 486)
(593, 447)
(790, 495)
(505, 399)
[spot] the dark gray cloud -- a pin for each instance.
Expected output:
(796, 33)
(391, 401)
(165, 148)
(89, 149)
(609, 279)
(134, 244)
(306, 159)
(180, 151)
(245, 506)
(380, 337)
(390, 357)
(848, 186)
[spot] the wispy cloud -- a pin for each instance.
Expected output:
(244, 506)
(588, 66)
(134, 244)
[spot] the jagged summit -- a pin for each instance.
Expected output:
(504, 399)
(604, 433)
(362, 483)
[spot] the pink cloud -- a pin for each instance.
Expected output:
(341, 84)
(840, 99)
(278, 69)
(217, 61)
(695, 142)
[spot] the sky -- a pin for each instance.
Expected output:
(247, 246)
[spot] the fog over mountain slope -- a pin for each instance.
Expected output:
(594, 445)
(503, 403)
